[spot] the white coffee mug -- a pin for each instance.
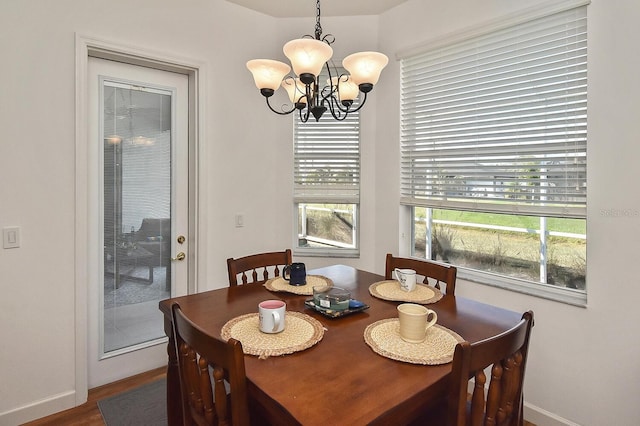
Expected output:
(272, 316)
(407, 278)
(415, 320)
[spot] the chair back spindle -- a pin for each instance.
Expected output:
(259, 267)
(204, 365)
(506, 355)
(440, 273)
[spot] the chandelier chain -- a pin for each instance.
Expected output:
(318, 26)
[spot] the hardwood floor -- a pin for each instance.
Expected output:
(88, 413)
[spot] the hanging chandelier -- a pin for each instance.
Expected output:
(309, 96)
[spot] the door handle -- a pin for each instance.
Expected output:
(179, 256)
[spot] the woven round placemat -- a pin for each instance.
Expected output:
(390, 290)
(280, 284)
(384, 338)
(300, 332)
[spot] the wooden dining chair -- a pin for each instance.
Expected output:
(258, 267)
(438, 272)
(203, 359)
(506, 355)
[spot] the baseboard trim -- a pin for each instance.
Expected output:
(39, 409)
(535, 414)
(541, 417)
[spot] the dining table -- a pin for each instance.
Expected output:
(340, 379)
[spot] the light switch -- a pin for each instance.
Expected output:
(11, 237)
(239, 220)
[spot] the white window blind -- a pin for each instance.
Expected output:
(498, 123)
(327, 160)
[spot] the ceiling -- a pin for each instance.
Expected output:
(302, 8)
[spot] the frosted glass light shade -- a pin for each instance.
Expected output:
(268, 74)
(307, 55)
(365, 67)
(295, 89)
(347, 89)
(113, 139)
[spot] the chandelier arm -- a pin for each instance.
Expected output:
(333, 90)
(326, 64)
(343, 111)
(334, 95)
(341, 114)
(336, 110)
(364, 100)
(342, 108)
(304, 117)
(329, 39)
(333, 102)
(283, 112)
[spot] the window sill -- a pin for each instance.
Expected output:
(319, 252)
(545, 291)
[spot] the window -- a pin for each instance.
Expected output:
(493, 151)
(327, 185)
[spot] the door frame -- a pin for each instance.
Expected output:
(86, 47)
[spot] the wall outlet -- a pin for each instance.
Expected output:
(11, 237)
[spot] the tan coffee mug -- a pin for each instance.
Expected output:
(271, 314)
(415, 320)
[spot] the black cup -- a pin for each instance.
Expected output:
(295, 273)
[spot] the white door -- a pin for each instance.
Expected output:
(139, 139)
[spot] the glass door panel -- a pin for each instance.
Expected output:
(137, 212)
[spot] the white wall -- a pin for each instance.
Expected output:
(584, 362)
(37, 165)
(247, 157)
(574, 368)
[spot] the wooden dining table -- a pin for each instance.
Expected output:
(339, 380)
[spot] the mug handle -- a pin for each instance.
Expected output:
(399, 275)
(434, 318)
(287, 268)
(276, 321)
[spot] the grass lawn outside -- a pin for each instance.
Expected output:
(574, 226)
(514, 254)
